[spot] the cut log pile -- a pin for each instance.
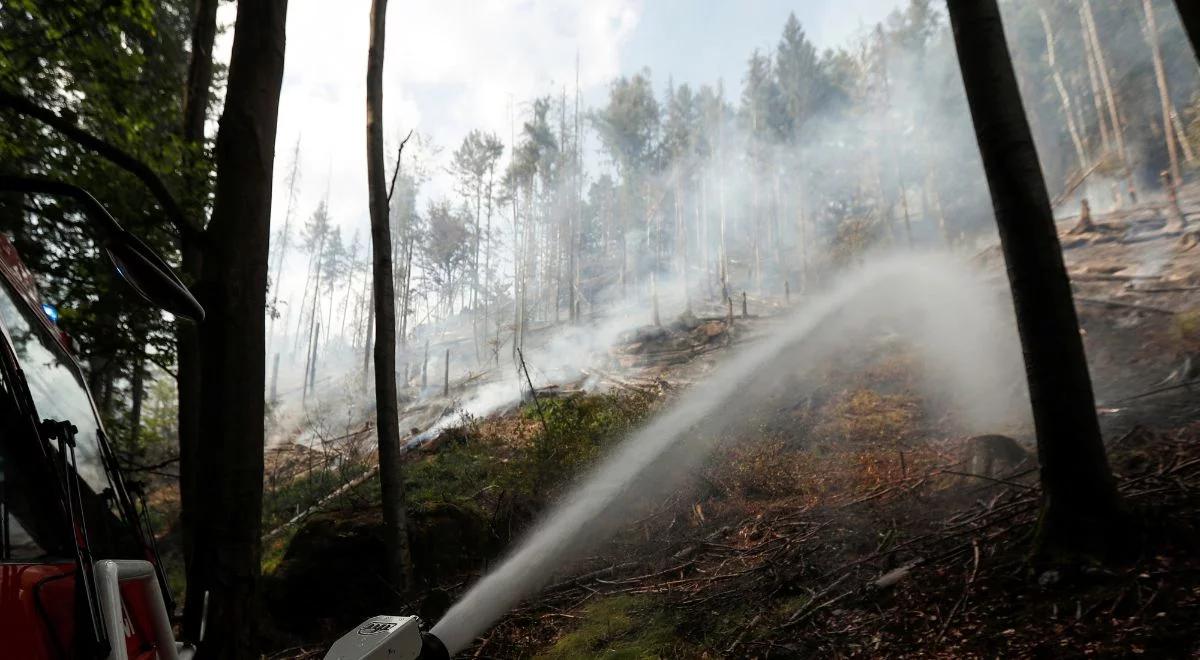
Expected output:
(678, 343)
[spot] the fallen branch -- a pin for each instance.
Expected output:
(344, 488)
(105, 149)
(1157, 390)
(991, 479)
(1117, 303)
(966, 589)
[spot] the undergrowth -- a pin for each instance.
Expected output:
(619, 627)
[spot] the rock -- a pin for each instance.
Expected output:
(330, 577)
(685, 553)
(686, 322)
(710, 331)
(333, 573)
(894, 576)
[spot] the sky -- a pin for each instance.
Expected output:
(455, 65)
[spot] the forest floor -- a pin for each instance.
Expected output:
(846, 523)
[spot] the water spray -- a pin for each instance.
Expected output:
(940, 296)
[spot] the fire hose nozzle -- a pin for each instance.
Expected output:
(388, 638)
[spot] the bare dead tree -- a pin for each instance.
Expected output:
(391, 477)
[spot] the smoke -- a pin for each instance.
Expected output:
(930, 299)
(480, 384)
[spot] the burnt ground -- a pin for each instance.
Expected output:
(849, 525)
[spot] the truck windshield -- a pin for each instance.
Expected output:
(56, 386)
(32, 526)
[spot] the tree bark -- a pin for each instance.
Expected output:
(137, 388)
(1181, 136)
(391, 478)
(1081, 504)
(1094, 81)
(1164, 94)
(370, 331)
(1063, 96)
(233, 289)
(1118, 133)
(292, 181)
(198, 92)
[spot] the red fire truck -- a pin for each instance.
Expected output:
(79, 571)
(80, 575)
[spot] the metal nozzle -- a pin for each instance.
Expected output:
(432, 648)
(388, 638)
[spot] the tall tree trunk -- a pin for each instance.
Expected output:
(187, 338)
(1110, 97)
(233, 288)
(475, 271)
(292, 181)
(487, 252)
(1081, 504)
(370, 331)
(1181, 136)
(315, 310)
(137, 382)
(724, 250)
(1164, 94)
(516, 273)
(1063, 96)
(577, 216)
(406, 295)
(1094, 80)
(391, 477)
(1189, 13)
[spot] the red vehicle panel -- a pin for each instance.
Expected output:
(37, 618)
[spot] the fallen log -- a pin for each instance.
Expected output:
(344, 488)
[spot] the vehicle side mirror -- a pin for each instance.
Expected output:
(136, 263)
(150, 276)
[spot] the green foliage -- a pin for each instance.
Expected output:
(467, 466)
(456, 475)
(283, 500)
(629, 124)
(275, 548)
(577, 429)
(116, 70)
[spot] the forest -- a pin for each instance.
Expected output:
(885, 349)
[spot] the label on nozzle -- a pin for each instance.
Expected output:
(375, 627)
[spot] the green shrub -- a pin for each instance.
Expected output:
(576, 430)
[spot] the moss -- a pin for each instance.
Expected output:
(274, 549)
(1186, 330)
(622, 627)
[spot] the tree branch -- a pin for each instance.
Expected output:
(156, 361)
(396, 173)
(131, 466)
(104, 149)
